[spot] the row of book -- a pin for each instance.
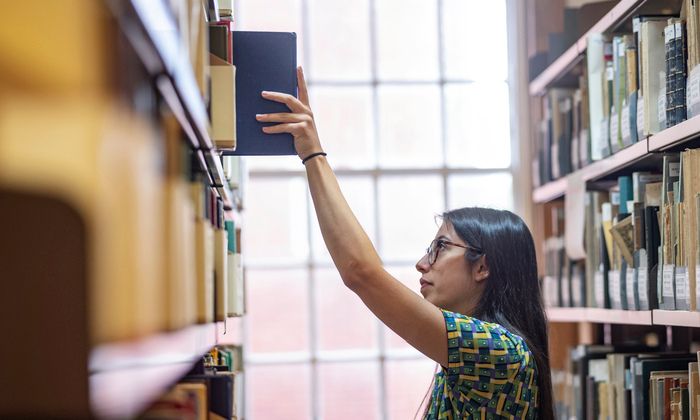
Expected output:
(632, 86)
(231, 68)
(641, 243)
(627, 382)
(213, 389)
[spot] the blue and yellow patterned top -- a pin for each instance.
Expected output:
(490, 373)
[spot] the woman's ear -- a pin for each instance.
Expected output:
(481, 269)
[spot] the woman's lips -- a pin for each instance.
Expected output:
(424, 283)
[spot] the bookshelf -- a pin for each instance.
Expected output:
(588, 268)
(574, 55)
(600, 316)
(56, 366)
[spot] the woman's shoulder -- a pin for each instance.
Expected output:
(489, 333)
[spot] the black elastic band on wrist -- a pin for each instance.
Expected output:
(313, 155)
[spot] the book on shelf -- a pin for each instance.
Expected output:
(265, 61)
(676, 71)
(212, 389)
(626, 382)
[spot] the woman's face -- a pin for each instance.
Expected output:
(451, 282)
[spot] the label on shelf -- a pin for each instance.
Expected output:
(661, 108)
(583, 147)
(682, 288)
(599, 291)
(615, 289)
(614, 132)
(642, 288)
(556, 173)
(631, 290)
(640, 118)
(693, 92)
(667, 286)
(625, 128)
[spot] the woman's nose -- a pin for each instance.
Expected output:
(422, 264)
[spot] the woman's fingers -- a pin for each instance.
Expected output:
(292, 103)
(303, 92)
(282, 118)
(292, 128)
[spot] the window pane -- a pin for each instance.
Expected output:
(271, 15)
(407, 382)
(478, 125)
(271, 163)
(343, 321)
(407, 40)
(407, 209)
(278, 392)
(490, 190)
(278, 310)
(410, 277)
(349, 390)
(278, 232)
(344, 119)
(339, 36)
(409, 126)
(359, 193)
(475, 39)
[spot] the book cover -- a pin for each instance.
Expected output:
(264, 61)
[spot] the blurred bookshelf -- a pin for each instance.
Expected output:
(128, 177)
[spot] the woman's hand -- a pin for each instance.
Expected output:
(299, 122)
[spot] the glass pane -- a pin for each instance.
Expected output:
(407, 209)
(278, 310)
(407, 40)
(272, 163)
(344, 119)
(271, 15)
(339, 36)
(278, 232)
(475, 39)
(343, 321)
(410, 277)
(478, 125)
(410, 132)
(407, 382)
(349, 390)
(359, 193)
(489, 190)
(278, 392)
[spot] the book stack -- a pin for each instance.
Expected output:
(628, 382)
(212, 389)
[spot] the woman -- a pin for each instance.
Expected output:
(481, 318)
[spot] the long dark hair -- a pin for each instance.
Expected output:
(512, 296)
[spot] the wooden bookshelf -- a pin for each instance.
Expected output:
(647, 149)
(150, 27)
(599, 316)
(575, 54)
(556, 70)
(622, 317)
(677, 318)
(549, 191)
(675, 136)
(595, 171)
(126, 376)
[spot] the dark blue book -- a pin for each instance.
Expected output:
(264, 61)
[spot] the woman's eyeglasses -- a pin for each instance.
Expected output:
(437, 244)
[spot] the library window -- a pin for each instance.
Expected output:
(412, 105)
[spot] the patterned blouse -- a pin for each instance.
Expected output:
(490, 373)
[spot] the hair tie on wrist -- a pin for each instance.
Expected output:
(313, 155)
